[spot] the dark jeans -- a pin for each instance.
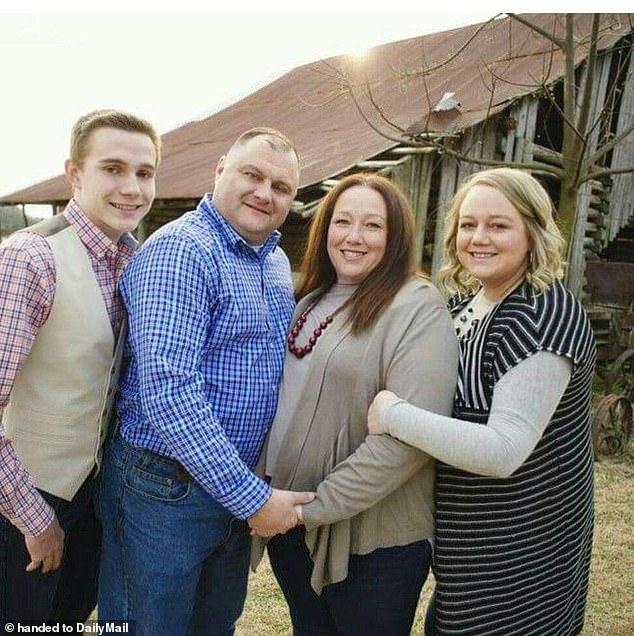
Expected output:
(68, 594)
(378, 598)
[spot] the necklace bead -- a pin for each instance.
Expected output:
(300, 352)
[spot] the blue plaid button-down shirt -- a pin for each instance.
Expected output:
(208, 317)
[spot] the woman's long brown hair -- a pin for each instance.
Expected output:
(378, 289)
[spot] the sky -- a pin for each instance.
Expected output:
(61, 60)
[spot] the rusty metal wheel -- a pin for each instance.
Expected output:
(611, 418)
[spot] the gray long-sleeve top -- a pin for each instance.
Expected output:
(524, 401)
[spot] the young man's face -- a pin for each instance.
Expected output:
(115, 185)
(254, 188)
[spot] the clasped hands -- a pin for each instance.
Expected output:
(280, 513)
(283, 510)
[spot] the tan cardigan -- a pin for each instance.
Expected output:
(372, 491)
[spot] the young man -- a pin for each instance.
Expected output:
(209, 299)
(60, 327)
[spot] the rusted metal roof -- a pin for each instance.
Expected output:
(314, 104)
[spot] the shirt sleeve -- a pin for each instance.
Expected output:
(424, 367)
(516, 422)
(20, 502)
(169, 298)
(27, 289)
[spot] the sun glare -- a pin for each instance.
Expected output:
(360, 53)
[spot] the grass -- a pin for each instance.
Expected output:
(610, 610)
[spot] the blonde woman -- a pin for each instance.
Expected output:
(514, 480)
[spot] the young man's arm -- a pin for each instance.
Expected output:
(27, 288)
(26, 509)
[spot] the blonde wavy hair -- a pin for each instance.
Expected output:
(531, 200)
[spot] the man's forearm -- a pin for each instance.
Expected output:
(20, 502)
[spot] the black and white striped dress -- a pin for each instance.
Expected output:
(512, 554)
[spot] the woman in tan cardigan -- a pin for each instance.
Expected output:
(365, 322)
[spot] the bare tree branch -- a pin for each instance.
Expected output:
(377, 107)
(587, 95)
(531, 165)
(615, 141)
(431, 69)
(371, 124)
(569, 94)
(607, 171)
(558, 42)
(553, 102)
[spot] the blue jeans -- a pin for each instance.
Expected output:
(378, 598)
(68, 594)
(174, 560)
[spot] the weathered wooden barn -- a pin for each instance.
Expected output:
(481, 88)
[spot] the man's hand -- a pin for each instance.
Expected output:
(46, 549)
(278, 514)
(381, 401)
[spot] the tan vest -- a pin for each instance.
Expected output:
(63, 394)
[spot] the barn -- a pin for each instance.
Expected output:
(428, 111)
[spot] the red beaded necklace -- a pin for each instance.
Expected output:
(300, 352)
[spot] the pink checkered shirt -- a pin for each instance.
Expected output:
(27, 288)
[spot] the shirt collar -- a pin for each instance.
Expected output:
(229, 234)
(92, 237)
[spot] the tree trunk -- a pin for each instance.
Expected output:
(567, 209)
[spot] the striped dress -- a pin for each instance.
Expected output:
(513, 554)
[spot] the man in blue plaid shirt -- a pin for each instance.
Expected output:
(209, 299)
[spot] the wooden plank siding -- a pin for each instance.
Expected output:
(621, 208)
(446, 190)
(519, 142)
(575, 274)
(413, 176)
